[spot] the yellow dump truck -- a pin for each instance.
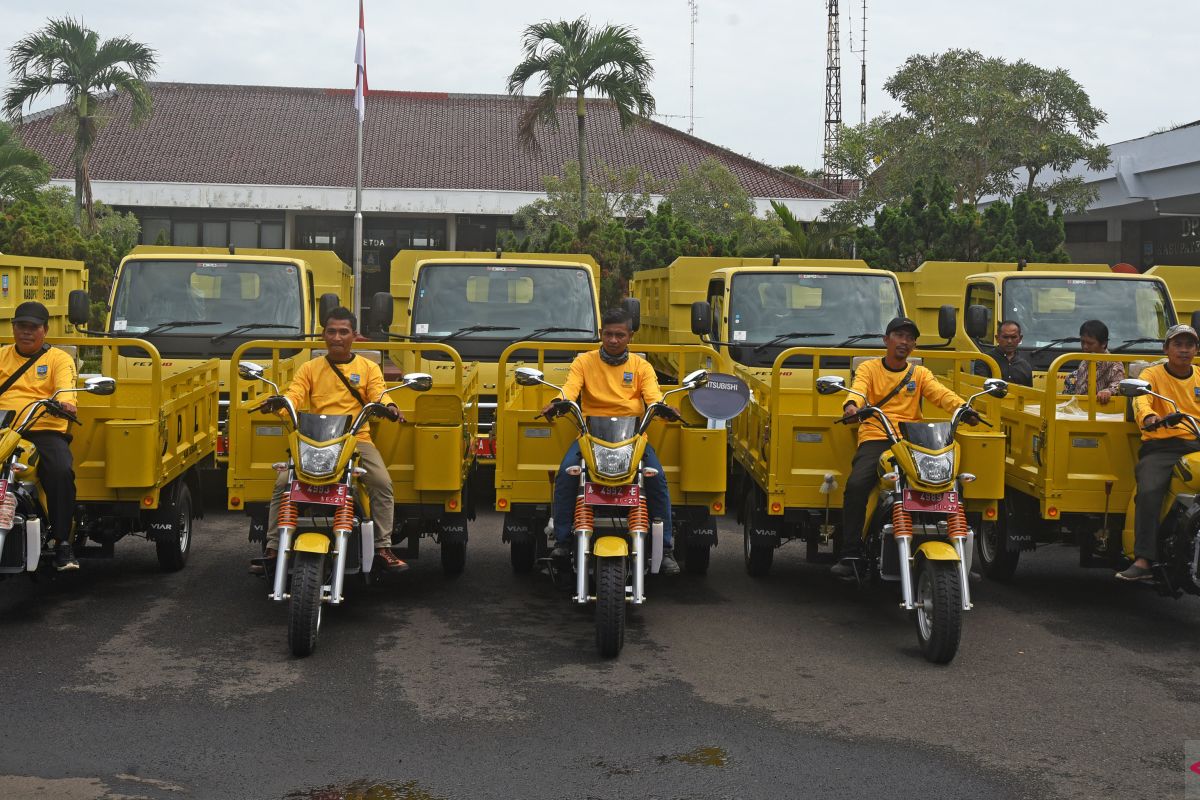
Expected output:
(50, 281)
(1184, 283)
(137, 450)
(529, 450)
(428, 456)
(1049, 304)
(479, 303)
(789, 459)
(195, 303)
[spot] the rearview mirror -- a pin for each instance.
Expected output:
(697, 378)
(328, 302)
(79, 307)
(976, 322)
(100, 385)
(380, 312)
(1133, 387)
(996, 387)
(418, 381)
(528, 376)
(830, 384)
(634, 307)
(947, 322)
(249, 371)
(701, 318)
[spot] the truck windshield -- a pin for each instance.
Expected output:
(827, 308)
(453, 297)
(1054, 308)
(152, 294)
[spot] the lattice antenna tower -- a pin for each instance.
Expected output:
(833, 96)
(694, 13)
(861, 52)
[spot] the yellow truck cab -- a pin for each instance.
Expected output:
(1184, 283)
(479, 303)
(49, 281)
(777, 325)
(196, 303)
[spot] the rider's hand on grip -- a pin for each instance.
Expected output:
(56, 409)
(271, 405)
(669, 413)
(973, 417)
(390, 413)
(556, 408)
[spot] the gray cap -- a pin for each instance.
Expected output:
(1180, 330)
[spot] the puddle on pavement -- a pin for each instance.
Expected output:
(365, 790)
(700, 757)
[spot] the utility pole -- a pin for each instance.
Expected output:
(833, 97)
(694, 13)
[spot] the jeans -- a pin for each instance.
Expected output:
(1156, 460)
(864, 477)
(566, 488)
(56, 473)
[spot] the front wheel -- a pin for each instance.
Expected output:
(995, 560)
(173, 546)
(939, 610)
(610, 605)
(304, 608)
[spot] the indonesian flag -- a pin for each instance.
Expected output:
(360, 71)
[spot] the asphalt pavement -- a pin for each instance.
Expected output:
(124, 682)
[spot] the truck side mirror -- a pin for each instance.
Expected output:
(701, 318)
(328, 302)
(79, 307)
(1196, 318)
(1132, 387)
(634, 307)
(381, 311)
(947, 322)
(976, 322)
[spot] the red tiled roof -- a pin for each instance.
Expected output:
(266, 135)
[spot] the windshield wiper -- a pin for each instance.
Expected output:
(179, 323)
(1054, 343)
(1132, 342)
(253, 326)
(556, 329)
(783, 337)
(859, 337)
(478, 329)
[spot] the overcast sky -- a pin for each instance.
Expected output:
(760, 66)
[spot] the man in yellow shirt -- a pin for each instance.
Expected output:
(898, 388)
(1162, 446)
(612, 382)
(49, 369)
(317, 389)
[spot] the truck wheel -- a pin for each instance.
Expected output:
(939, 610)
(759, 555)
(173, 546)
(610, 605)
(304, 607)
(454, 557)
(696, 558)
(995, 560)
(523, 554)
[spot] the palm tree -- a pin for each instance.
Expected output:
(573, 58)
(819, 239)
(21, 169)
(66, 55)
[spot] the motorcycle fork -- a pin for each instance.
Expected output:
(584, 527)
(956, 526)
(343, 524)
(287, 521)
(639, 527)
(902, 529)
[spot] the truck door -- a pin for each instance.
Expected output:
(716, 302)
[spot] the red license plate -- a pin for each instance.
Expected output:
(941, 502)
(223, 444)
(485, 447)
(329, 494)
(595, 495)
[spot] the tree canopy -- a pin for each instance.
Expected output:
(21, 169)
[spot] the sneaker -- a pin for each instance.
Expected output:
(258, 566)
(1135, 573)
(64, 558)
(847, 567)
(390, 561)
(561, 552)
(668, 565)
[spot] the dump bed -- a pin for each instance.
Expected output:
(1184, 283)
(49, 281)
(428, 456)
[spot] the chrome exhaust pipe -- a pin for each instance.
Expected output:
(281, 562)
(903, 544)
(582, 545)
(962, 572)
(639, 567)
(341, 542)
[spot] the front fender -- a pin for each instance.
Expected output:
(311, 543)
(610, 547)
(938, 551)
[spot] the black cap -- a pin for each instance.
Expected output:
(902, 322)
(32, 311)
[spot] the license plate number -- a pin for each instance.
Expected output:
(595, 495)
(330, 494)
(944, 502)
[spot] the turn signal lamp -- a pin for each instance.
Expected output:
(1052, 511)
(574, 470)
(776, 508)
(452, 504)
(990, 513)
(502, 503)
(893, 477)
(718, 506)
(649, 472)
(966, 477)
(148, 500)
(235, 501)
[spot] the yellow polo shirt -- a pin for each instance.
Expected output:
(53, 371)
(875, 380)
(317, 390)
(1185, 392)
(607, 391)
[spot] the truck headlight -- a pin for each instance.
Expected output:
(934, 469)
(319, 461)
(612, 462)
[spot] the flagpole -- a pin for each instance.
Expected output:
(358, 231)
